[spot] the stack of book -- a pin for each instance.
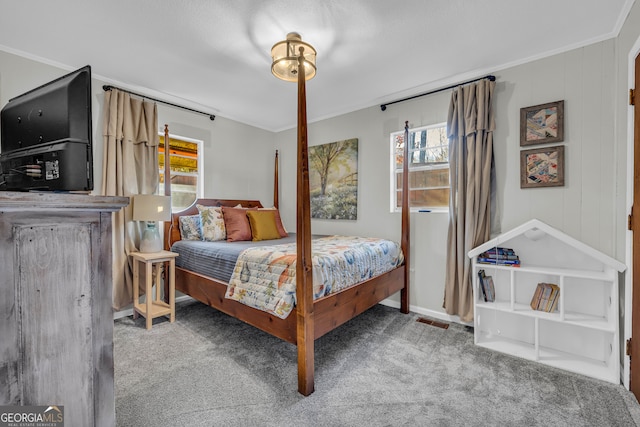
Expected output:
(485, 283)
(499, 256)
(545, 297)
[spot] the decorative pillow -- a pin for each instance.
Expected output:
(213, 227)
(263, 225)
(190, 227)
(281, 229)
(236, 223)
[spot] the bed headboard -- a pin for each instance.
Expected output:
(172, 228)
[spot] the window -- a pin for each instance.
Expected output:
(186, 176)
(428, 168)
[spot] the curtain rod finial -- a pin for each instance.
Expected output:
(383, 107)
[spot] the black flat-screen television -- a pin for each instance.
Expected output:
(46, 137)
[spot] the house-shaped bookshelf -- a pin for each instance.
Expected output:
(581, 333)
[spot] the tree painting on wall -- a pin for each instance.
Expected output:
(333, 180)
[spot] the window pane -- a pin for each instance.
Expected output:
(425, 178)
(437, 137)
(399, 150)
(429, 178)
(428, 166)
(420, 198)
(183, 157)
(437, 155)
(183, 191)
(179, 163)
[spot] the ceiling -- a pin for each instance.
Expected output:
(214, 55)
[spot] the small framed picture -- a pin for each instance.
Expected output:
(542, 124)
(542, 167)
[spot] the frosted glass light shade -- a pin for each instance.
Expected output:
(285, 58)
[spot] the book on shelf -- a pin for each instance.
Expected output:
(553, 303)
(545, 297)
(500, 251)
(487, 288)
(499, 256)
(481, 284)
(491, 292)
(536, 297)
(511, 262)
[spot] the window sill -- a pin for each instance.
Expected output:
(425, 211)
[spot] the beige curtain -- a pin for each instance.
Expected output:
(130, 166)
(470, 127)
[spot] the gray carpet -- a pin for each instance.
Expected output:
(381, 369)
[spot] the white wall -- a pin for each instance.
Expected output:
(239, 157)
(584, 208)
(373, 127)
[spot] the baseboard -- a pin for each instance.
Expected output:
(389, 303)
(426, 312)
(129, 311)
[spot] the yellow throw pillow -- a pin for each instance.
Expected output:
(263, 225)
(281, 229)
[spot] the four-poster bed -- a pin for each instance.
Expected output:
(310, 319)
(323, 315)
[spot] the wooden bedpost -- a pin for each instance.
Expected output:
(404, 242)
(167, 192)
(276, 183)
(304, 276)
(167, 162)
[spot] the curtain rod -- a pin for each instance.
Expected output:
(109, 87)
(384, 106)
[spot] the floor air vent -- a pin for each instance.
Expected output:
(433, 322)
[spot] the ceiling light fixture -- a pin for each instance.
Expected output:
(285, 56)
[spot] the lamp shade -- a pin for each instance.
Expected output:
(285, 58)
(147, 207)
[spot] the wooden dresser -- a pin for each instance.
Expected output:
(56, 318)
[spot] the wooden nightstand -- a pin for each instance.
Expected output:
(154, 307)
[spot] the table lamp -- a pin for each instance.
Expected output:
(151, 208)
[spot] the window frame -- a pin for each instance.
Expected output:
(199, 159)
(420, 167)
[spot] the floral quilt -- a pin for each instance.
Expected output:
(265, 277)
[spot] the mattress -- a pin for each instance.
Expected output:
(217, 259)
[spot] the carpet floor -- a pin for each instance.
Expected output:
(382, 368)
